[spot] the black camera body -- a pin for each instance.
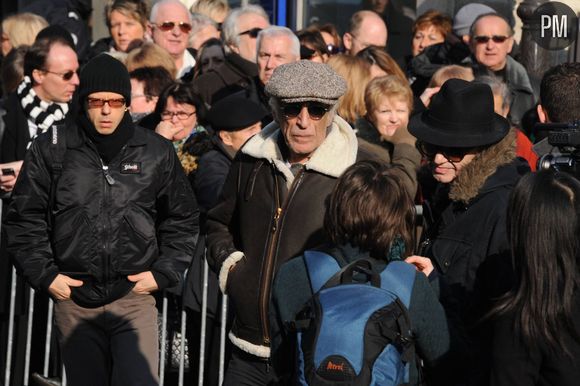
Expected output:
(565, 137)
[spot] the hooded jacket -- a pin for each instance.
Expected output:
(267, 216)
(135, 214)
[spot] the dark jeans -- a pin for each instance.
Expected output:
(248, 370)
(116, 344)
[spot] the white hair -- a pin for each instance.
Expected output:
(159, 4)
(276, 31)
(230, 30)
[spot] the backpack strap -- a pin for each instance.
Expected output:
(57, 152)
(399, 277)
(320, 267)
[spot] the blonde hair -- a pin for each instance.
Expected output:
(134, 9)
(356, 72)
(389, 86)
(22, 28)
(453, 71)
(150, 55)
(217, 10)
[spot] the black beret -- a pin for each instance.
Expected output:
(235, 112)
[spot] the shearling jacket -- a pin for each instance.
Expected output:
(267, 216)
(135, 214)
(466, 235)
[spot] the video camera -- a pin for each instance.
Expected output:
(565, 137)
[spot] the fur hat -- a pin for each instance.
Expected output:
(105, 73)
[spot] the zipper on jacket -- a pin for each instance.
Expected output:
(109, 181)
(270, 260)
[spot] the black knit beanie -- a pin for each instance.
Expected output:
(105, 73)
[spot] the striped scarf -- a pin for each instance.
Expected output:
(43, 114)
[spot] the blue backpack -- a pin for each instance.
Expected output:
(355, 330)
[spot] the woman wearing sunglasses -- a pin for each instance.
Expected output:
(471, 155)
(127, 22)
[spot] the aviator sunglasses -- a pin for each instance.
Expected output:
(97, 103)
(169, 25)
(453, 154)
(315, 110)
(482, 39)
(253, 33)
(66, 76)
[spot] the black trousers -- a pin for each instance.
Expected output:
(248, 370)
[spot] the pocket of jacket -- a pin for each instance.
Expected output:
(72, 241)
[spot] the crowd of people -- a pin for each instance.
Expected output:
(206, 134)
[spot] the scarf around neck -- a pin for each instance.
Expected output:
(108, 146)
(43, 114)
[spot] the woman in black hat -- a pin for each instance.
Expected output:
(471, 154)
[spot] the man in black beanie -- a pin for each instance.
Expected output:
(117, 223)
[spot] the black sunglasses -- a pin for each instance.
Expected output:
(253, 33)
(170, 25)
(315, 110)
(453, 154)
(332, 49)
(482, 39)
(66, 76)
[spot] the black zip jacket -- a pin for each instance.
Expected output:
(136, 214)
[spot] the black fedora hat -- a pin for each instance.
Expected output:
(460, 115)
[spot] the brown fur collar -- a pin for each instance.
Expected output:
(472, 177)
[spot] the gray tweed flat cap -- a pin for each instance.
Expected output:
(306, 81)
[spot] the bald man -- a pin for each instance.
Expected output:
(366, 28)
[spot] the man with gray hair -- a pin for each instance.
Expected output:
(170, 27)
(241, 28)
(281, 177)
(491, 40)
(239, 71)
(203, 28)
(275, 46)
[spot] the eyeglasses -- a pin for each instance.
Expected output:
(482, 39)
(97, 103)
(452, 154)
(170, 25)
(253, 33)
(181, 115)
(332, 49)
(315, 110)
(66, 76)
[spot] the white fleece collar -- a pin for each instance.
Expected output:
(333, 156)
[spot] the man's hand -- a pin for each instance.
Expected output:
(144, 283)
(423, 264)
(428, 94)
(168, 130)
(7, 181)
(60, 286)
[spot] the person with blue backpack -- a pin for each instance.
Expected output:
(353, 311)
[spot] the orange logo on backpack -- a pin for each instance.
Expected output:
(334, 367)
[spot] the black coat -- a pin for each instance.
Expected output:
(516, 364)
(145, 218)
(267, 216)
(467, 242)
(16, 133)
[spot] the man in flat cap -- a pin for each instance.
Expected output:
(272, 204)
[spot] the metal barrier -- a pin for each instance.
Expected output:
(162, 365)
